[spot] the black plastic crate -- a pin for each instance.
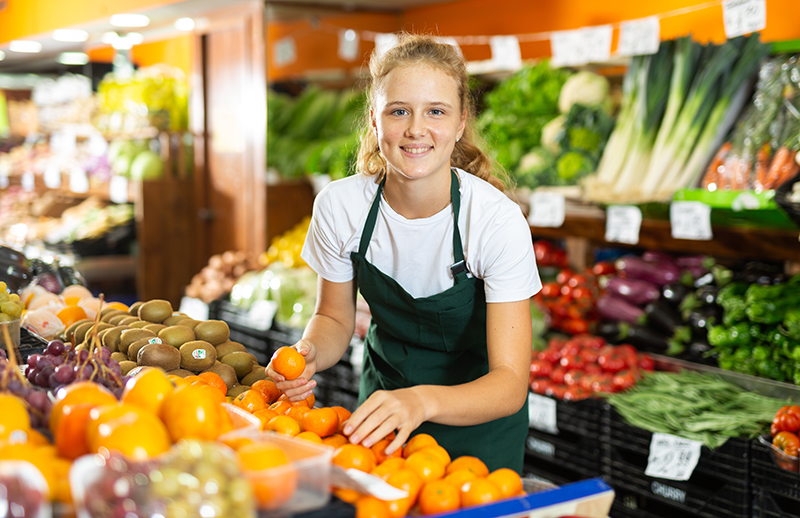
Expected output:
(719, 485)
(630, 504)
(255, 345)
(552, 471)
(768, 504)
(336, 397)
(579, 453)
(580, 417)
(780, 488)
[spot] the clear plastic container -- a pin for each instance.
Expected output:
(786, 462)
(304, 485)
(13, 332)
(242, 419)
(23, 489)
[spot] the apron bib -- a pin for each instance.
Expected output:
(435, 340)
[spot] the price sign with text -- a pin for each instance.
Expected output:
(690, 220)
(546, 209)
(743, 16)
(542, 413)
(672, 457)
(623, 223)
(639, 37)
(506, 54)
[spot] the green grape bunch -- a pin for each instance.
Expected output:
(10, 304)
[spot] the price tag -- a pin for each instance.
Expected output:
(118, 189)
(639, 37)
(348, 45)
(597, 43)
(547, 209)
(52, 176)
(261, 314)
(28, 181)
(383, 42)
(672, 457)
(195, 308)
(581, 46)
(690, 220)
(285, 52)
(623, 223)
(78, 181)
(542, 413)
(505, 52)
(743, 16)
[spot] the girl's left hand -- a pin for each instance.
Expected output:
(401, 411)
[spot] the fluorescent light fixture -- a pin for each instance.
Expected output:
(2, 55)
(73, 58)
(26, 46)
(122, 44)
(184, 24)
(350, 35)
(129, 20)
(110, 38)
(70, 35)
(134, 38)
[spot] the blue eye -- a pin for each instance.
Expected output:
(399, 111)
(437, 111)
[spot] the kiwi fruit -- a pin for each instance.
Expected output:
(79, 334)
(101, 333)
(228, 347)
(126, 366)
(135, 347)
(174, 318)
(159, 355)
(111, 337)
(133, 310)
(106, 310)
(226, 372)
(139, 369)
(70, 330)
(128, 321)
(139, 324)
(154, 327)
(181, 372)
(236, 390)
(214, 332)
(258, 373)
(101, 326)
(155, 311)
(120, 357)
(129, 336)
(241, 362)
(176, 336)
(115, 319)
(188, 322)
(111, 314)
(197, 355)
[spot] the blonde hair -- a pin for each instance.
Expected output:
(417, 49)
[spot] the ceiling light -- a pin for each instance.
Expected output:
(73, 58)
(70, 35)
(110, 38)
(184, 24)
(134, 38)
(2, 55)
(27, 46)
(129, 20)
(122, 44)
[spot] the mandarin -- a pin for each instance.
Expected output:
(70, 436)
(354, 456)
(139, 438)
(147, 389)
(265, 415)
(298, 412)
(283, 424)
(71, 314)
(310, 436)
(281, 406)
(250, 400)
(439, 496)
(343, 413)
(409, 481)
(79, 392)
(269, 471)
(350, 496)
(190, 413)
(426, 465)
(371, 507)
(438, 451)
(418, 442)
(389, 466)
(289, 363)
(215, 380)
(507, 481)
(478, 491)
(268, 389)
(335, 440)
(322, 421)
(379, 449)
(470, 463)
(460, 477)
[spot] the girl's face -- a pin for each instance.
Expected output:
(417, 117)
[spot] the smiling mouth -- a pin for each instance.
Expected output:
(416, 150)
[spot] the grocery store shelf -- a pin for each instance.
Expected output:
(729, 242)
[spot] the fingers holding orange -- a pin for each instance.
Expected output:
(288, 363)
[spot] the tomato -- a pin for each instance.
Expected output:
(787, 442)
(575, 312)
(787, 418)
(575, 326)
(589, 355)
(571, 347)
(564, 276)
(611, 360)
(545, 252)
(551, 356)
(574, 376)
(566, 291)
(560, 307)
(551, 290)
(593, 368)
(557, 376)
(556, 342)
(576, 393)
(773, 429)
(572, 361)
(646, 362)
(540, 385)
(577, 280)
(627, 350)
(604, 268)
(603, 383)
(557, 390)
(624, 380)
(541, 368)
(594, 342)
(582, 293)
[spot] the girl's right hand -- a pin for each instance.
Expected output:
(301, 387)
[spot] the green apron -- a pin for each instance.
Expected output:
(436, 340)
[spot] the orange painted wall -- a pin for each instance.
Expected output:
(23, 18)
(176, 52)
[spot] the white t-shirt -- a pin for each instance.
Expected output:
(418, 253)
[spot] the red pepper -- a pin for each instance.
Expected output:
(787, 442)
(787, 418)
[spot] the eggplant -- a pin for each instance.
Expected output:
(701, 319)
(613, 308)
(707, 295)
(663, 317)
(649, 340)
(674, 293)
(660, 273)
(657, 256)
(702, 261)
(610, 330)
(635, 291)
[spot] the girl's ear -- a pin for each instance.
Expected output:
(372, 123)
(463, 124)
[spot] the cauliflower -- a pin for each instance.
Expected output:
(585, 88)
(550, 134)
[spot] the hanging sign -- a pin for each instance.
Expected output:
(690, 220)
(639, 37)
(348, 45)
(672, 457)
(506, 54)
(285, 52)
(623, 223)
(542, 413)
(581, 46)
(546, 209)
(743, 16)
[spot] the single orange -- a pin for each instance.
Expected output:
(343, 413)
(79, 392)
(63, 491)
(460, 477)
(37, 438)
(298, 412)
(335, 440)
(117, 305)
(283, 424)
(350, 496)
(101, 414)
(215, 380)
(379, 449)
(418, 442)
(310, 436)
(389, 466)
(268, 389)
(311, 400)
(479, 491)
(140, 437)
(426, 465)
(71, 314)
(289, 363)
(15, 416)
(470, 463)
(322, 421)
(271, 474)
(507, 481)
(70, 436)
(281, 406)
(409, 481)
(439, 452)
(190, 413)
(371, 507)
(250, 400)
(147, 389)
(264, 415)
(354, 456)
(439, 496)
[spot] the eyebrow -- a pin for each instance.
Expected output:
(436, 103)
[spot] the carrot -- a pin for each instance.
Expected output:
(740, 174)
(779, 161)
(762, 165)
(789, 169)
(712, 173)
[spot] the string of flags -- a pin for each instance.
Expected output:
(574, 47)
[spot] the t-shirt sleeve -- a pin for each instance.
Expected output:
(323, 249)
(510, 272)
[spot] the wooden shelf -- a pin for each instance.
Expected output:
(729, 242)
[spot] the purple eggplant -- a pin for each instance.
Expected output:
(613, 308)
(659, 273)
(701, 261)
(657, 256)
(635, 291)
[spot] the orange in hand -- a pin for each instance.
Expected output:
(355, 456)
(507, 481)
(289, 363)
(479, 491)
(439, 496)
(322, 421)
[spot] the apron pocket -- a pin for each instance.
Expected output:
(455, 335)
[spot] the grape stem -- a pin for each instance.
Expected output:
(12, 361)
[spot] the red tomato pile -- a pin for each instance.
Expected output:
(785, 428)
(577, 368)
(549, 254)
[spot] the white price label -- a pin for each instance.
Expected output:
(52, 176)
(581, 46)
(285, 52)
(672, 457)
(690, 220)
(118, 189)
(639, 37)
(623, 223)
(195, 308)
(542, 413)
(597, 43)
(348, 45)
(261, 314)
(546, 209)
(78, 181)
(743, 16)
(28, 181)
(506, 54)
